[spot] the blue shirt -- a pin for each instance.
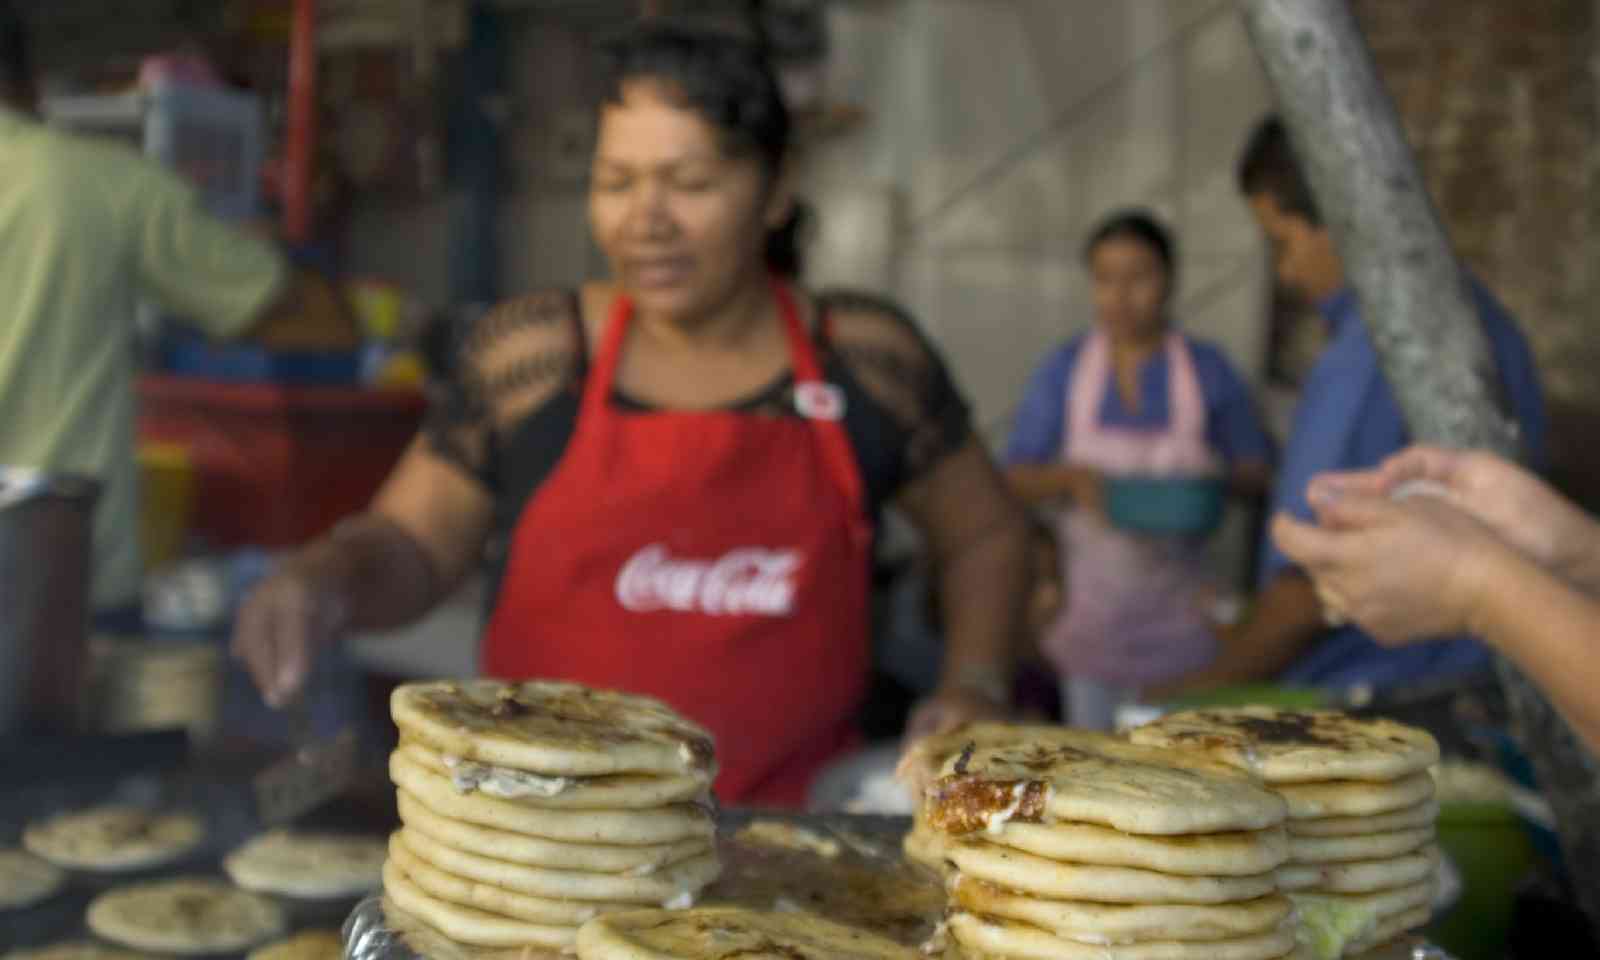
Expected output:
(1233, 427)
(1348, 419)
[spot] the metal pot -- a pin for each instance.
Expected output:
(45, 532)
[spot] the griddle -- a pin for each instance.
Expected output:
(159, 771)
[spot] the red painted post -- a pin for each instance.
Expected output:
(300, 149)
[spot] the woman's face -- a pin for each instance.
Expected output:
(682, 223)
(1130, 288)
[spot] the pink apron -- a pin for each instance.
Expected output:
(1133, 616)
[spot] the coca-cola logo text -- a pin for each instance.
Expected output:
(749, 581)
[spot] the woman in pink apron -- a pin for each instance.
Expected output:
(1130, 396)
(674, 476)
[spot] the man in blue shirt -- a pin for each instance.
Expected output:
(1347, 419)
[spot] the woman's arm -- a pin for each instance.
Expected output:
(1037, 484)
(380, 569)
(1557, 645)
(1423, 568)
(426, 528)
(444, 516)
(1285, 621)
(978, 538)
(1034, 469)
(976, 533)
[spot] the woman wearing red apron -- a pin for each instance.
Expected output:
(1130, 397)
(675, 476)
(704, 584)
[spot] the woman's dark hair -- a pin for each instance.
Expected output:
(1140, 226)
(726, 78)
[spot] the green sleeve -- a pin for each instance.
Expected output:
(212, 274)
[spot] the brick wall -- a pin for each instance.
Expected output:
(1499, 100)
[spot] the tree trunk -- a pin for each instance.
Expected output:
(1415, 301)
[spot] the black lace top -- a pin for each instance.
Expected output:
(510, 403)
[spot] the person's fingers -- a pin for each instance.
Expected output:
(1306, 544)
(243, 629)
(945, 712)
(1316, 550)
(1354, 512)
(1438, 464)
(933, 718)
(923, 722)
(1334, 613)
(253, 640)
(296, 624)
(1327, 487)
(1388, 638)
(293, 659)
(1421, 488)
(906, 769)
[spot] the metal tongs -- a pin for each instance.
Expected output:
(314, 772)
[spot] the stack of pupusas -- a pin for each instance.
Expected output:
(1064, 843)
(1362, 863)
(530, 808)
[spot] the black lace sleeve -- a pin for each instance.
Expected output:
(896, 365)
(504, 366)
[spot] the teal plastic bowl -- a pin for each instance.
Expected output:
(1166, 506)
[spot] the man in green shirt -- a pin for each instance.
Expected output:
(86, 228)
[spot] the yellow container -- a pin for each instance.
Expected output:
(379, 306)
(403, 370)
(167, 482)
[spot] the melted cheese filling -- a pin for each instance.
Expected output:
(995, 821)
(502, 782)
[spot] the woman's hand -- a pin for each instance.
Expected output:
(949, 708)
(1512, 502)
(1402, 570)
(1051, 484)
(283, 623)
(1088, 491)
(368, 573)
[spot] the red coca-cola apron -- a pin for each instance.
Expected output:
(716, 560)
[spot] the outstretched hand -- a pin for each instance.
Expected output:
(1404, 571)
(1513, 503)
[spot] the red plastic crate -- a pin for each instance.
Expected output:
(277, 465)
